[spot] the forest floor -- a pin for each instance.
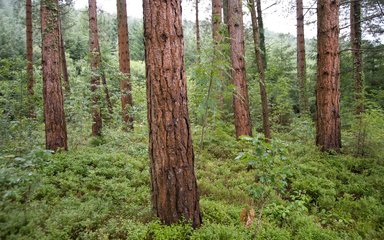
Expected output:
(100, 189)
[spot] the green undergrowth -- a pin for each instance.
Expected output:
(100, 189)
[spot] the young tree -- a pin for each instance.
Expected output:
(355, 22)
(261, 32)
(301, 62)
(95, 59)
(54, 117)
(124, 62)
(174, 188)
(198, 41)
(225, 11)
(240, 96)
(328, 135)
(216, 21)
(29, 43)
(261, 70)
(63, 60)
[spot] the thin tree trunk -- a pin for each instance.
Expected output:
(175, 194)
(95, 60)
(54, 117)
(106, 92)
(240, 97)
(261, 31)
(216, 21)
(261, 70)
(29, 43)
(198, 41)
(355, 20)
(124, 63)
(328, 136)
(225, 11)
(301, 62)
(63, 60)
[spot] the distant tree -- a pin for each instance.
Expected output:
(54, 117)
(240, 96)
(29, 43)
(261, 31)
(197, 26)
(175, 195)
(124, 62)
(63, 60)
(261, 70)
(216, 20)
(328, 136)
(95, 59)
(301, 61)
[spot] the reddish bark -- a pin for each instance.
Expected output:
(95, 60)
(174, 188)
(54, 117)
(124, 62)
(301, 62)
(261, 70)
(29, 43)
(328, 135)
(240, 97)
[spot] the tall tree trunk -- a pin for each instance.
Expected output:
(301, 62)
(225, 11)
(261, 31)
(198, 41)
(95, 60)
(175, 195)
(328, 135)
(240, 97)
(54, 117)
(63, 60)
(124, 63)
(355, 20)
(216, 21)
(29, 43)
(261, 70)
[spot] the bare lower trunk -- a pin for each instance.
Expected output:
(261, 70)
(328, 135)
(240, 97)
(124, 63)
(355, 20)
(29, 44)
(175, 195)
(95, 60)
(198, 41)
(301, 62)
(54, 117)
(261, 31)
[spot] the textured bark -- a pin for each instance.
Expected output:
(355, 21)
(29, 44)
(216, 21)
(240, 97)
(198, 41)
(54, 117)
(301, 62)
(124, 63)
(95, 59)
(261, 70)
(63, 60)
(174, 188)
(225, 11)
(328, 135)
(261, 31)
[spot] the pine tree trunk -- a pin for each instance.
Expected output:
(63, 60)
(95, 60)
(301, 62)
(225, 11)
(198, 41)
(355, 21)
(124, 63)
(328, 136)
(29, 43)
(240, 97)
(261, 31)
(54, 117)
(175, 195)
(261, 70)
(216, 21)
